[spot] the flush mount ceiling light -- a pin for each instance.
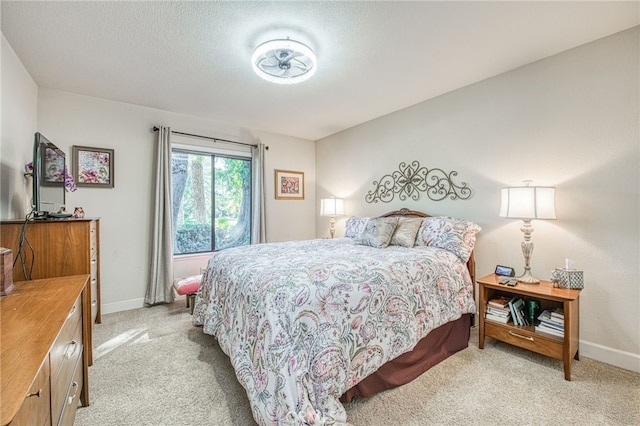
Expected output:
(284, 61)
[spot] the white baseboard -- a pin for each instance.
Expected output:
(125, 305)
(622, 359)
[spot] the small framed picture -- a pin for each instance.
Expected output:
(93, 166)
(289, 185)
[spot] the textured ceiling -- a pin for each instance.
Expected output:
(373, 57)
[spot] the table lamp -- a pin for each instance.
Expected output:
(332, 207)
(527, 203)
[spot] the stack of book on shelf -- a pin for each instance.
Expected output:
(517, 306)
(498, 310)
(551, 322)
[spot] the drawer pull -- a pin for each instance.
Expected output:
(29, 395)
(71, 349)
(75, 392)
(521, 336)
(73, 311)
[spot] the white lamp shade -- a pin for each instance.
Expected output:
(528, 202)
(331, 207)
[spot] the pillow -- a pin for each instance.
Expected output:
(377, 232)
(354, 226)
(406, 231)
(455, 235)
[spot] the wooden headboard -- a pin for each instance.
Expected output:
(404, 212)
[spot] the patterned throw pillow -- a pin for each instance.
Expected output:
(377, 232)
(354, 226)
(455, 235)
(406, 231)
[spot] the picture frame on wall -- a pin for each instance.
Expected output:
(93, 167)
(289, 185)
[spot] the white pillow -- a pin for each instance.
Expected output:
(354, 226)
(406, 231)
(377, 232)
(455, 235)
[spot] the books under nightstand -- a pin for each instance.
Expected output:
(505, 310)
(551, 321)
(498, 310)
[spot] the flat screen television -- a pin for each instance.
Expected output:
(48, 178)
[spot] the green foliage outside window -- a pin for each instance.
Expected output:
(211, 198)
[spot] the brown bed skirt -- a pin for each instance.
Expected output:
(436, 346)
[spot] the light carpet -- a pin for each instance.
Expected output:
(152, 367)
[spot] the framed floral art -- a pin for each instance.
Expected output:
(289, 185)
(93, 166)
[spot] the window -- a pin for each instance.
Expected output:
(211, 201)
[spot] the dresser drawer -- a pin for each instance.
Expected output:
(94, 302)
(93, 238)
(526, 339)
(69, 340)
(36, 406)
(73, 395)
(67, 366)
(93, 284)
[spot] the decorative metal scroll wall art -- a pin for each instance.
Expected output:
(411, 180)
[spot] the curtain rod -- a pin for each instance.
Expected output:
(155, 129)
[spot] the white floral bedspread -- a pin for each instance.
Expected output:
(304, 321)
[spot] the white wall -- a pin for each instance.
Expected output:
(569, 121)
(19, 117)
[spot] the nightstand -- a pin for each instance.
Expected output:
(525, 336)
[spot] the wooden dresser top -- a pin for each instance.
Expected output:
(30, 319)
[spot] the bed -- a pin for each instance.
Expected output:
(309, 325)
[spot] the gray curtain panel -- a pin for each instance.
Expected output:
(160, 286)
(258, 219)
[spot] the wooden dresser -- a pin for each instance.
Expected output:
(43, 364)
(61, 247)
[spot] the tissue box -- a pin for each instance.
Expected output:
(6, 271)
(568, 278)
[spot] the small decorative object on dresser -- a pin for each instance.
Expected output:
(78, 213)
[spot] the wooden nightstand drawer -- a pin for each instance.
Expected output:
(523, 338)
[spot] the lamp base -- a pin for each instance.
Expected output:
(332, 228)
(527, 278)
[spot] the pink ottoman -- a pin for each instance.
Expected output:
(188, 286)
